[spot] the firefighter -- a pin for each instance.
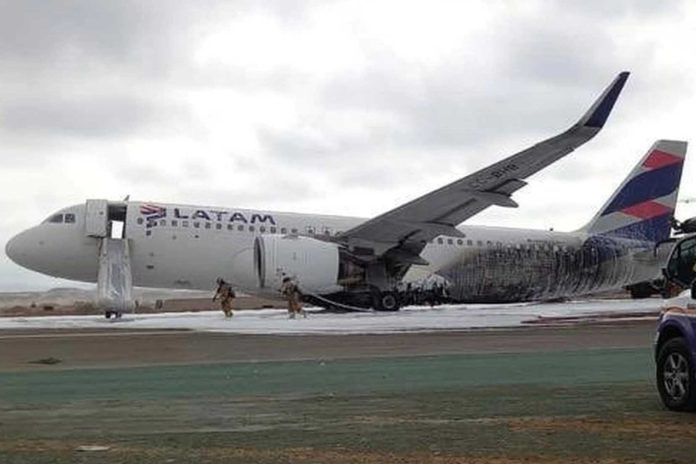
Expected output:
(290, 290)
(226, 295)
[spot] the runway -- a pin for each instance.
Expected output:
(145, 391)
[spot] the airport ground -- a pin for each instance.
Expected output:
(576, 394)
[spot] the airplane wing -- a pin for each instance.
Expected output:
(404, 230)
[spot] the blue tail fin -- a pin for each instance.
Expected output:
(643, 206)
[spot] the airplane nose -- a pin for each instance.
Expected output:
(13, 248)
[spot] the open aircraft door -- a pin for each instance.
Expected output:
(97, 218)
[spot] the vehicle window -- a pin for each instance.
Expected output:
(682, 263)
(69, 218)
(56, 219)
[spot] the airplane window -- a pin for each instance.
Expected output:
(175, 223)
(56, 219)
(273, 230)
(294, 231)
(207, 225)
(479, 243)
(140, 220)
(251, 228)
(230, 227)
(184, 223)
(262, 229)
(440, 241)
(283, 230)
(69, 218)
(218, 226)
(460, 241)
(163, 222)
(449, 241)
(469, 242)
(197, 225)
(240, 228)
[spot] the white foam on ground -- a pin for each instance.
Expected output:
(411, 319)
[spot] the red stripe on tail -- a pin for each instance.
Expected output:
(659, 159)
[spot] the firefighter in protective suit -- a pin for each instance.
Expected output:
(290, 290)
(226, 295)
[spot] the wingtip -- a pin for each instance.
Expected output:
(599, 112)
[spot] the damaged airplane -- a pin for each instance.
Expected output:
(360, 262)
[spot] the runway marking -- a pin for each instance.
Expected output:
(95, 334)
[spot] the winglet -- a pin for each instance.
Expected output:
(598, 113)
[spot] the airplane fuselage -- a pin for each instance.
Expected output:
(180, 246)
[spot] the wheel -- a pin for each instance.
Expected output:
(675, 376)
(107, 314)
(386, 301)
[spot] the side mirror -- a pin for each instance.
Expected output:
(693, 290)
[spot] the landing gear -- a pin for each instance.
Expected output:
(385, 301)
(115, 314)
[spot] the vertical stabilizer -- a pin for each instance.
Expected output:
(641, 208)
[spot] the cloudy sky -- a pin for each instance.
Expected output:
(343, 107)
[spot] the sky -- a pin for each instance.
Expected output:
(339, 107)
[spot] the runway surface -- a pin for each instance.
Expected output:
(144, 391)
(412, 319)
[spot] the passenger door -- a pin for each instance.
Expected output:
(96, 218)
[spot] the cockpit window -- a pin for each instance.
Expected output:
(69, 218)
(56, 219)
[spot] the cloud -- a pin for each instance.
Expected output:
(340, 106)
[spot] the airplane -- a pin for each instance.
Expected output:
(360, 262)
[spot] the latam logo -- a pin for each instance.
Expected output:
(152, 212)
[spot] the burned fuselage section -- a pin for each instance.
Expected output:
(548, 269)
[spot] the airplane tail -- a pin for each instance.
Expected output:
(643, 206)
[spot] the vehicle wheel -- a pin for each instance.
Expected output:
(386, 301)
(107, 314)
(675, 376)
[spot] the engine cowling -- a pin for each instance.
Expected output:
(315, 264)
